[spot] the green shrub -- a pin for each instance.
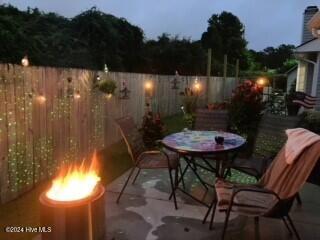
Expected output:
(245, 108)
(189, 120)
(311, 121)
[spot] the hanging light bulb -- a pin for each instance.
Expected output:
(106, 70)
(148, 85)
(77, 95)
(109, 96)
(41, 98)
(25, 61)
(197, 85)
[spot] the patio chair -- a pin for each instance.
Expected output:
(269, 140)
(214, 120)
(143, 158)
(273, 196)
(210, 120)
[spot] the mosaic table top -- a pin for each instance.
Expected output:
(202, 141)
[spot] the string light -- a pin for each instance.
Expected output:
(77, 95)
(261, 81)
(30, 157)
(25, 61)
(41, 98)
(106, 70)
(148, 85)
(197, 85)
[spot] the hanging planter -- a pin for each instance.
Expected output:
(107, 86)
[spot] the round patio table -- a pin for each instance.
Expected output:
(190, 144)
(202, 142)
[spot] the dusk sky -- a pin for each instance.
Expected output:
(267, 22)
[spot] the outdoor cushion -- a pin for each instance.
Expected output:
(246, 203)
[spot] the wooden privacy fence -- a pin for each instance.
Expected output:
(43, 125)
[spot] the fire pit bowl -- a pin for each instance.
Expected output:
(82, 219)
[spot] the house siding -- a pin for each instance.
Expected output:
(318, 89)
(301, 76)
(318, 92)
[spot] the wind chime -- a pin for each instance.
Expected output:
(175, 82)
(124, 91)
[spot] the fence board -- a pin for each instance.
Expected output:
(36, 137)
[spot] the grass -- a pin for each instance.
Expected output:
(24, 211)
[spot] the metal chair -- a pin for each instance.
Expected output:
(270, 138)
(207, 120)
(143, 158)
(273, 196)
(214, 120)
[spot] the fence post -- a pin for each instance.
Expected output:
(237, 71)
(208, 74)
(225, 66)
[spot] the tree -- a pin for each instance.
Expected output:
(225, 35)
(168, 54)
(280, 58)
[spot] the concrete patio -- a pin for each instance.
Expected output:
(145, 212)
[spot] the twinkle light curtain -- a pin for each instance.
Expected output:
(51, 116)
(42, 124)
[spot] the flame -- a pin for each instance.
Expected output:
(75, 183)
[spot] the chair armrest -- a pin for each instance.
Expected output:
(139, 158)
(150, 152)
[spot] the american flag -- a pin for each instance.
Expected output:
(305, 100)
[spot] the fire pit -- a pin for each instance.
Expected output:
(74, 205)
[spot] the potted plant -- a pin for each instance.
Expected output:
(310, 120)
(107, 86)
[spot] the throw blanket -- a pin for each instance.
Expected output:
(298, 140)
(287, 179)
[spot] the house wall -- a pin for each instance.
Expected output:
(309, 79)
(302, 76)
(317, 90)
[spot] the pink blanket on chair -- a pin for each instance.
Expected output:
(298, 140)
(287, 179)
